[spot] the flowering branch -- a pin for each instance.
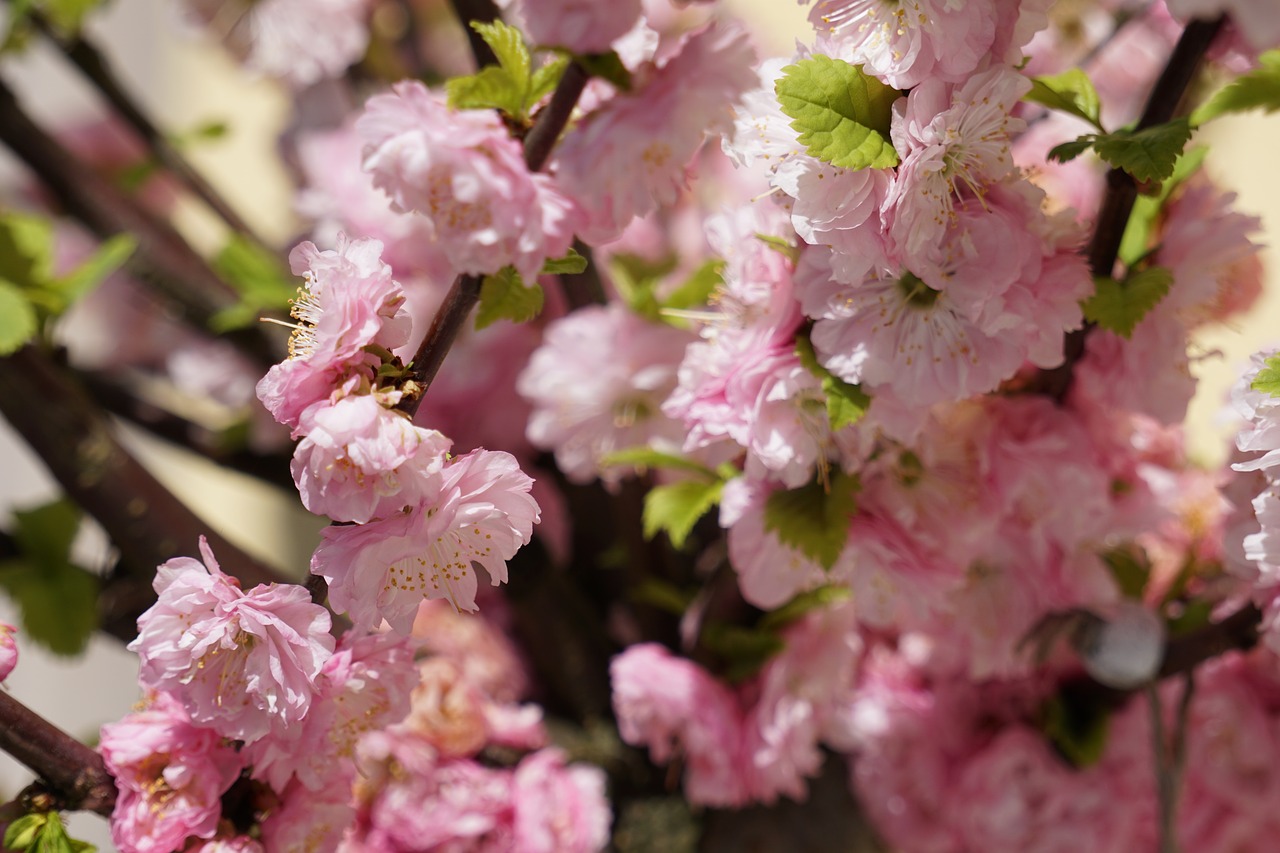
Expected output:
(1122, 190)
(164, 261)
(66, 429)
(74, 772)
(93, 65)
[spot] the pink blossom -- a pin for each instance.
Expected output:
(350, 302)
(676, 708)
(244, 664)
(465, 174)
(622, 161)
(477, 644)
(308, 821)
(384, 569)
(234, 844)
(364, 686)
(170, 774)
(581, 26)
(597, 384)
(909, 42)
(448, 711)
(1149, 372)
(559, 809)
(361, 460)
(8, 650)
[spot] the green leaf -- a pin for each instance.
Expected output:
(23, 833)
(258, 277)
(111, 255)
(846, 403)
(1120, 306)
(804, 603)
(1268, 379)
(676, 507)
(1131, 568)
(1149, 154)
(489, 88)
(18, 35)
(744, 649)
(1068, 151)
(648, 457)
(1259, 89)
(504, 296)
(508, 46)
(608, 67)
(814, 519)
(841, 114)
(636, 279)
(67, 16)
(1077, 727)
(780, 245)
(58, 599)
(698, 287)
(1070, 92)
(54, 839)
(570, 264)
(1134, 245)
(17, 318)
(26, 249)
(663, 595)
(545, 79)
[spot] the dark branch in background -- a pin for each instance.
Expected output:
(1122, 190)
(1239, 631)
(90, 61)
(485, 11)
(73, 772)
(64, 426)
(554, 116)
(164, 260)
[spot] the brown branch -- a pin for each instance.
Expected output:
(484, 11)
(164, 260)
(554, 117)
(1122, 190)
(93, 65)
(66, 429)
(1238, 632)
(73, 771)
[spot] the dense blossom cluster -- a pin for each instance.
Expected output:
(829, 370)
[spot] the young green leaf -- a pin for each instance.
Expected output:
(24, 832)
(508, 46)
(608, 67)
(67, 16)
(1268, 379)
(805, 602)
(489, 88)
(698, 287)
(1120, 306)
(111, 255)
(814, 519)
(1258, 89)
(841, 114)
(1068, 151)
(1149, 154)
(676, 507)
(846, 403)
(263, 285)
(570, 264)
(504, 296)
(1146, 208)
(780, 245)
(26, 249)
(648, 457)
(545, 79)
(1070, 92)
(17, 318)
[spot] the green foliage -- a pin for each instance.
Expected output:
(30, 293)
(1149, 155)
(1070, 92)
(1120, 306)
(257, 277)
(805, 603)
(58, 599)
(638, 280)
(1146, 208)
(504, 296)
(1268, 379)
(42, 832)
(814, 519)
(697, 288)
(642, 458)
(1257, 90)
(1076, 727)
(570, 264)
(1130, 567)
(17, 318)
(68, 16)
(744, 650)
(676, 507)
(608, 67)
(663, 595)
(512, 86)
(841, 114)
(846, 403)
(780, 245)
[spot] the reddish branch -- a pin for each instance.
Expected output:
(72, 772)
(1122, 190)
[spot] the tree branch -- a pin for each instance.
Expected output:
(484, 11)
(67, 430)
(164, 260)
(1122, 190)
(73, 771)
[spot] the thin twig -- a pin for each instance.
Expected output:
(94, 66)
(73, 771)
(484, 11)
(1165, 792)
(1122, 190)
